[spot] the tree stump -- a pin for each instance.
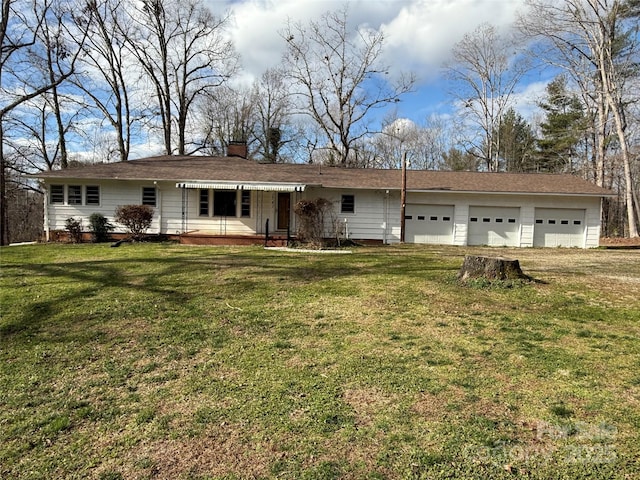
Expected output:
(490, 268)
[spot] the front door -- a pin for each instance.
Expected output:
(284, 210)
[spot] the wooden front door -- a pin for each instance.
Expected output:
(284, 210)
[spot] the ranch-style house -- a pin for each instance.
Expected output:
(231, 199)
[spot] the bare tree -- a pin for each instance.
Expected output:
(486, 70)
(225, 115)
(105, 76)
(183, 51)
(273, 107)
(332, 64)
(595, 41)
(21, 32)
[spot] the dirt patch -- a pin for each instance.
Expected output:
(620, 242)
(368, 403)
(217, 454)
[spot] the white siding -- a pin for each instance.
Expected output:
(376, 216)
(112, 195)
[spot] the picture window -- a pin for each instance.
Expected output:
(224, 203)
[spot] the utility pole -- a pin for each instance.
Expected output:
(403, 196)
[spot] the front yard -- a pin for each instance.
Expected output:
(159, 361)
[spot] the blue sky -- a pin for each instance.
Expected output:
(419, 36)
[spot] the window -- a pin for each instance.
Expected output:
(92, 195)
(204, 203)
(149, 196)
(474, 219)
(224, 203)
(57, 194)
(512, 220)
(577, 222)
(539, 221)
(564, 222)
(552, 222)
(446, 219)
(74, 195)
(433, 218)
(245, 203)
(420, 217)
(498, 220)
(408, 217)
(348, 204)
(486, 220)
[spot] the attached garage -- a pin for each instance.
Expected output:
(494, 226)
(429, 224)
(559, 227)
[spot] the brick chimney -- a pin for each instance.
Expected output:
(237, 148)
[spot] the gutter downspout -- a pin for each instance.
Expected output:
(47, 228)
(159, 207)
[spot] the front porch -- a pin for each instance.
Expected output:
(199, 237)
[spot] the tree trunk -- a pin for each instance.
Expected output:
(490, 268)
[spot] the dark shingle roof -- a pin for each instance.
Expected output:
(235, 169)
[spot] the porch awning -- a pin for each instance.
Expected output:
(264, 187)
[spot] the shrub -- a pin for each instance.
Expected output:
(135, 218)
(74, 228)
(312, 215)
(100, 227)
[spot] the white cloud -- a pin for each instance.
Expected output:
(419, 33)
(419, 37)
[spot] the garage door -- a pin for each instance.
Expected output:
(494, 226)
(429, 224)
(559, 227)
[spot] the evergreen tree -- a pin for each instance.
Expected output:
(456, 160)
(562, 129)
(517, 143)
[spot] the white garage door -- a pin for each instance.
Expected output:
(494, 226)
(429, 224)
(559, 227)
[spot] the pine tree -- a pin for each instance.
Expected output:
(562, 129)
(517, 143)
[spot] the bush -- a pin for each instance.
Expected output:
(312, 215)
(74, 228)
(135, 218)
(100, 227)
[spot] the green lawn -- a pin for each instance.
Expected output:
(172, 362)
